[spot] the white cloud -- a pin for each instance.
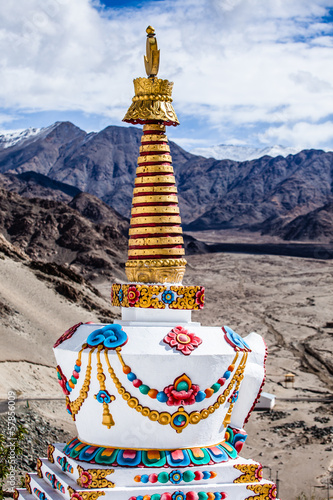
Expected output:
(235, 63)
(302, 135)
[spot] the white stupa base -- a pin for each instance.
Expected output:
(236, 479)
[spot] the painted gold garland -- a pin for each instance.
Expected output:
(97, 477)
(250, 473)
(265, 491)
(166, 418)
(84, 495)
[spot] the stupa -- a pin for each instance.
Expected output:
(159, 401)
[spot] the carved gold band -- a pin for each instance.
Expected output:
(146, 263)
(156, 179)
(157, 198)
(155, 230)
(155, 251)
(154, 138)
(152, 97)
(151, 169)
(154, 147)
(154, 126)
(155, 189)
(155, 210)
(158, 219)
(150, 158)
(164, 240)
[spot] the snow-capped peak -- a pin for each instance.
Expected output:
(10, 138)
(243, 153)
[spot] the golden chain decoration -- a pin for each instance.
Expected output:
(98, 478)
(165, 418)
(76, 405)
(123, 364)
(107, 417)
(250, 473)
(239, 378)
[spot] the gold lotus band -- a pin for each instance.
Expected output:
(164, 240)
(154, 147)
(157, 198)
(155, 251)
(166, 270)
(154, 138)
(150, 158)
(146, 263)
(155, 189)
(152, 169)
(156, 179)
(155, 230)
(155, 210)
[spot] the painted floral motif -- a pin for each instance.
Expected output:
(62, 380)
(182, 495)
(133, 295)
(182, 340)
(158, 296)
(175, 476)
(76, 496)
(182, 392)
(200, 298)
(178, 495)
(110, 336)
(85, 479)
(168, 296)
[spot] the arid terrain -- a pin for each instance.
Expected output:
(287, 300)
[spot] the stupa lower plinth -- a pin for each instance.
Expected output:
(159, 401)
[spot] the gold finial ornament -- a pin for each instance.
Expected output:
(152, 100)
(152, 57)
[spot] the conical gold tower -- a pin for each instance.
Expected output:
(156, 249)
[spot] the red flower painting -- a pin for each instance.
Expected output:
(182, 340)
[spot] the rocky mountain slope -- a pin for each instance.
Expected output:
(52, 231)
(213, 194)
(313, 226)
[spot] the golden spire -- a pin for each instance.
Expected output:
(156, 249)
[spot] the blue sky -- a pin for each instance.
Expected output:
(255, 72)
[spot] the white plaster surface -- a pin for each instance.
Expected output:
(157, 365)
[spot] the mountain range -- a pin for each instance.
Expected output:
(265, 194)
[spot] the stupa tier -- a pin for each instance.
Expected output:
(159, 401)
